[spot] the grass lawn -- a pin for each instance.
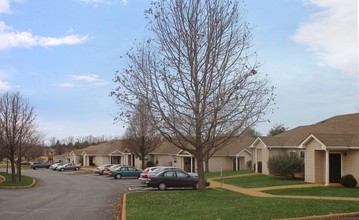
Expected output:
(336, 191)
(223, 204)
(226, 173)
(259, 180)
(25, 180)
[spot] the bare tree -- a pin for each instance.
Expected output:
(17, 127)
(197, 75)
(141, 137)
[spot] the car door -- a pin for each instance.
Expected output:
(124, 171)
(132, 172)
(183, 179)
(170, 178)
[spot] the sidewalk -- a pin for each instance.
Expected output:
(258, 191)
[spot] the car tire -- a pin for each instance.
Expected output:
(162, 186)
(100, 173)
(196, 186)
(62, 169)
(118, 176)
(76, 168)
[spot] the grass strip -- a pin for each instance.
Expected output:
(261, 180)
(227, 173)
(223, 204)
(335, 191)
(25, 180)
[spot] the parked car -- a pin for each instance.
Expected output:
(55, 165)
(173, 178)
(125, 171)
(69, 166)
(37, 165)
(152, 171)
(109, 169)
(100, 169)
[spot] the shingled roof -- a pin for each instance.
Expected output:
(104, 148)
(231, 149)
(341, 130)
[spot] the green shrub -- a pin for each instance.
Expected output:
(286, 165)
(150, 164)
(348, 181)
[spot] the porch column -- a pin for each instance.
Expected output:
(237, 163)
(191, 164)
(326, 168)
(255, 159)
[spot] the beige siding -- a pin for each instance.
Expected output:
(314, 161)
(319, 166)
(265, 157)
(99, 160)
(245, 157)
(350, 164)
(163, 160)
(218, 163)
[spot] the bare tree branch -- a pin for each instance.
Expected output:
(198, 76)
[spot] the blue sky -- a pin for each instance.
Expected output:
(62, 56)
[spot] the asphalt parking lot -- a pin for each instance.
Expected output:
(66, 195)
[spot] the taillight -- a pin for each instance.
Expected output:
(145, 176)
(148, 181)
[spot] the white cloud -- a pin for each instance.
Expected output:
(90, 78)
(10, 38)
(5, 85)
(331, 33)
(5, 75)
(4, 6)
(98, 2)
(87, 77)
(66, 85)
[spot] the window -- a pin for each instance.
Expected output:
(181, 174)
(170, 173)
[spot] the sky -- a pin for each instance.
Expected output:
(62, 56)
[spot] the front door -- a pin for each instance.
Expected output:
(335, 167)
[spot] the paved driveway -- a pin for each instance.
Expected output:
(62, 195)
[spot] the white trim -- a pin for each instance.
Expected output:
(249, 152)
(309, 138)
(256, 141)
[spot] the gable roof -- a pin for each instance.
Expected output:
(104, 149)
(341, 130)
(238, 145)
(232, 149)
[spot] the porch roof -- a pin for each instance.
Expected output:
(335, 131)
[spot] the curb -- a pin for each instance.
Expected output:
(2, 179)
(336, 216)
(123, 210)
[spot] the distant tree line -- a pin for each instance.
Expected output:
(72, 143)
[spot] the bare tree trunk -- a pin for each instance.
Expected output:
(143, 163)
(19, 169)
(13, 172)
(7, 165)
(200, 172)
